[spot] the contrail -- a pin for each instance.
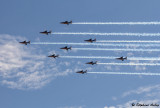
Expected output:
(105, 49)
(119, 23)
(129, 41)
(125, 73)
(107, 34)
(96, 44)
(111, 57)
(132, 64)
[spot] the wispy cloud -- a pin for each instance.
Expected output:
(141, 90)
(148, 95)
(24, 67)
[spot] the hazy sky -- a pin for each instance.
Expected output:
(30, 79)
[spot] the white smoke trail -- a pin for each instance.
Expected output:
(111, 57)
(104, 49)
(88, 57)
(125, 73)
(129, 41)
(97, 44)
(107, 34)
(132, 64)
(119, 23)
(143, 58)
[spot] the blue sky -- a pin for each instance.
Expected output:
(29, 79)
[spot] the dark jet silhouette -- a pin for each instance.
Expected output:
(54, 56)
(25, 42)
(66, 22)
(122, 58)
(92, 63)
(46, 32)
(82, 72)
(66, 48)
(90, 40)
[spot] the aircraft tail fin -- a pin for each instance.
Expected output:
(71, 21)
(70, 48)
(85, 71)
(29, 42)
(95, 40)
(126, 58)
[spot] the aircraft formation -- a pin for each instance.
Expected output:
(67, 48)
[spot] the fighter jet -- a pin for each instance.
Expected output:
(54, 56)
(25, 42)
(92, 63)
(46, 32)
(90, 40)
(66, 48)
(66, 22)
(122, 58)
(82, 72)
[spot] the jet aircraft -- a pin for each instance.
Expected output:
(66, 48)
(66, 22)
(25, 42)
(92, 63)
(122, 58)
(53, 55)
(46, 32)
(90, 40)
(82, 72)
